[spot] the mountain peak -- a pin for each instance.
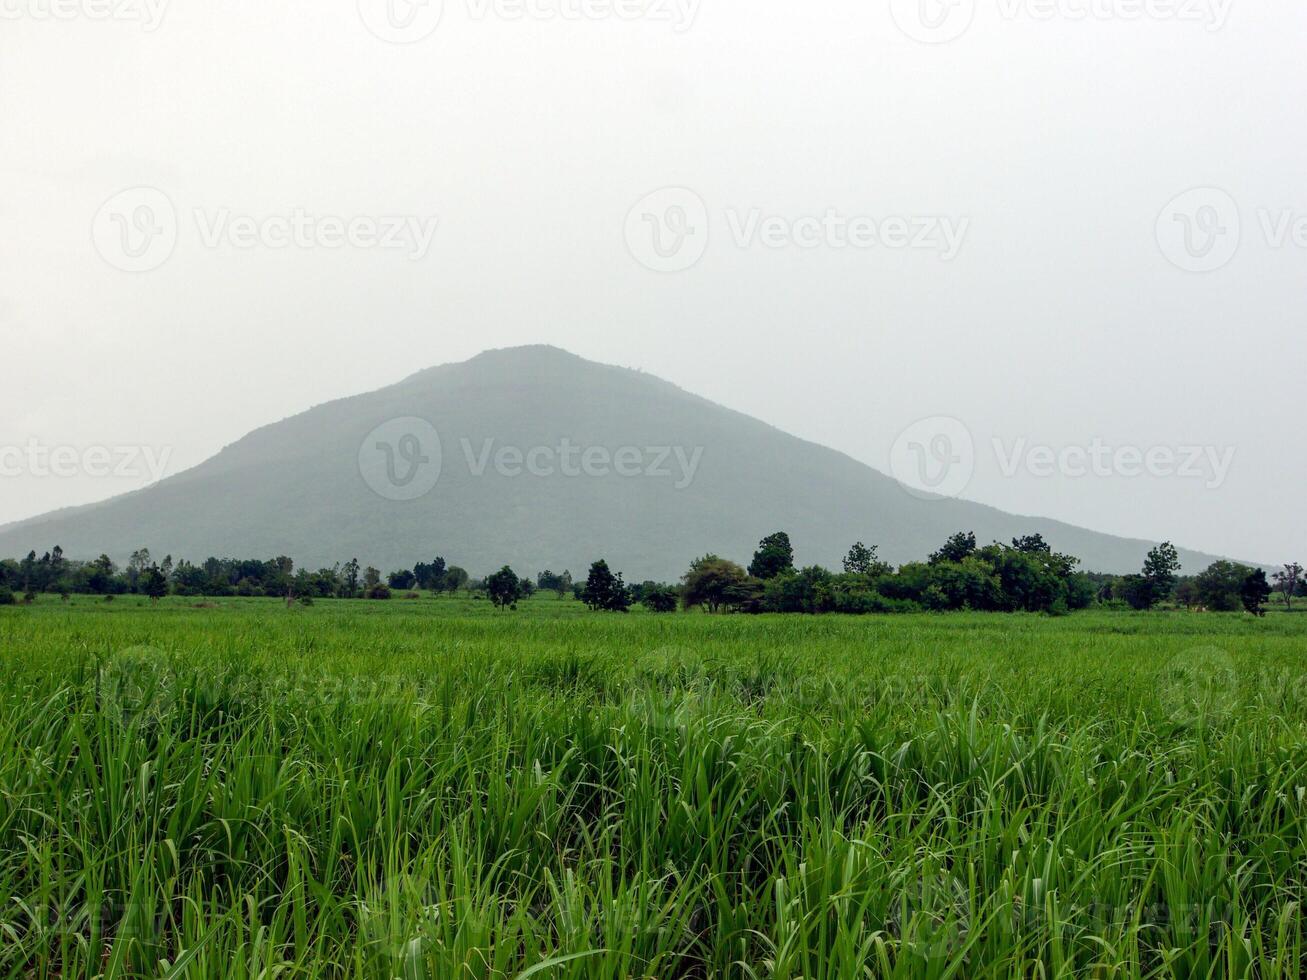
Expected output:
(526, 354)
(537, 458)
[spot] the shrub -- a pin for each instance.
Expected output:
(6, 596)
(660, 599)
(379, 591)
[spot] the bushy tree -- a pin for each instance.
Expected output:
(350, 579)
(775, 556)
(1255, 592)
(1186, 593)
(153, 582)
(809, 590)
(1220, 586)
(1287, 582)
(604, 590)
(550, 582)
(709, 582)
(1161, 570)
(456, 578)
(504, 588)
(1137, 591)
(402, 580)
(430, 575)
(1031, 544)
(660, 598)
(862, 560)
(959, 546)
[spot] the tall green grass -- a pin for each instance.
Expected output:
(429, 789)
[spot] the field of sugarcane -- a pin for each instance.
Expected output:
(432, 789)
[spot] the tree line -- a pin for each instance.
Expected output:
(1026, 575)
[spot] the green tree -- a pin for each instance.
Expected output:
(431, 576)
(504, 588)
(153, 582)
(660, 599)
(1161, 570)
(1031, 544)
(708, 582)
(1287, 582)
(403, 580)
(99, 575)
(351, 579)
(604, 590)
(1186, 593)
(549, 582)
(861, 560)
(961, 545)
(775, 556)
(136, 566)
(1220, 586)
(455, 578)
(1255, 592)
(1138, 592)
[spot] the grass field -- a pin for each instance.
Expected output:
(431, 789)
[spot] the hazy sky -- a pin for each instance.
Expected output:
(980, 215)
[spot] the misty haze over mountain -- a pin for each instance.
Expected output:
(536, 458)
(1063, 225)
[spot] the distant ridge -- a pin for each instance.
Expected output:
(325, 485)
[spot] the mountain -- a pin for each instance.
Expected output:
(538, 459)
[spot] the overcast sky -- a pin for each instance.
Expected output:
(1066, 230)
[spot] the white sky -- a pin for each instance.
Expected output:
(1055, 132)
